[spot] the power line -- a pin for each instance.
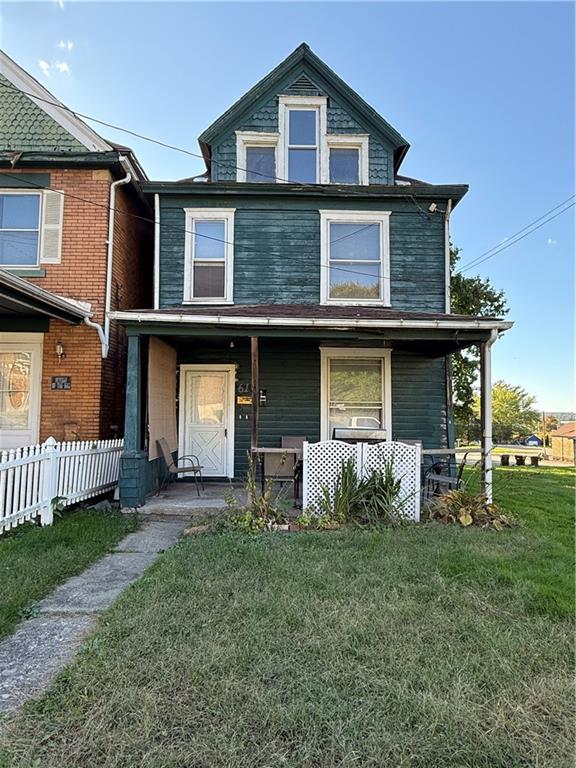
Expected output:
(514, 239)
(34, 185)
(175, 148)
(510, 237)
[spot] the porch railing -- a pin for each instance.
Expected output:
(322, 463)
(35, 478)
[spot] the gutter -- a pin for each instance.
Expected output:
(69, 306)
(156, 317)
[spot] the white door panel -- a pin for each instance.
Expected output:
(20, 380)
(204, 421)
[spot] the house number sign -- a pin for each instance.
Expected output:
(61, 382)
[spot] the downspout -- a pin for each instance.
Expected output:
(156, 251)
(104, 333)
(447, 256)
(486, 412)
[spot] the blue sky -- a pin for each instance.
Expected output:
(484, 92)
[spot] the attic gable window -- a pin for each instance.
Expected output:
(256, 156)
(348, 158)
(208, 256)
(302, 126)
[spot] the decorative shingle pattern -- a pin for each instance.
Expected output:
(25, 127)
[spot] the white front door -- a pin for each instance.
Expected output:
(20, 380)
(207, 417)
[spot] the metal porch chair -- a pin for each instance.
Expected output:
(173, 470)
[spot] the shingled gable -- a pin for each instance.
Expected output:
(36, 115)
(302, 72)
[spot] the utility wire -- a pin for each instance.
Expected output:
(175, 148)
(509, 244)
(34, 185)
(507, 241)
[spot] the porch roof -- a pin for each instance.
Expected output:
(447, 332)
(20, 298)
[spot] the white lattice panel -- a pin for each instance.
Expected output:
(322, 465)
(406, 465)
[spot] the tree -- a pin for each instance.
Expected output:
(513, 412)
(469, 296)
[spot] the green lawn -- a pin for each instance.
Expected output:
(34, 560)
(417, 647)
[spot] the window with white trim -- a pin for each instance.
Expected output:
(347, 159)
(256, 156)
(355, 390)
(355, 258)
(209, 254)
(30, 228)
(302, 125)
(20, 217)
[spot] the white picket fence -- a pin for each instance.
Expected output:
(34, 477)
(322, 463)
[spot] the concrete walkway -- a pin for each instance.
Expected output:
(41, 646)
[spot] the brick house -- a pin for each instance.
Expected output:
(75, 243)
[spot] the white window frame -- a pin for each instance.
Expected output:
(308, 103)
(245, 139)
(357, 141)
(361, 218)
(346, 353)
(36, 264)
(209, 214)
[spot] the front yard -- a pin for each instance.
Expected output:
(419, 646)
(33, 560)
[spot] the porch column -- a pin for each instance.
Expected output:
(132, 436)
(486, 413)
(255, 386)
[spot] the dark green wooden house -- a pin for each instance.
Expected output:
(301, 285)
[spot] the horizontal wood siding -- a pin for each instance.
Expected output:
(419, 399)
(277, 251)
(290, 374)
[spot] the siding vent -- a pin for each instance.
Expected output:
(303, 86)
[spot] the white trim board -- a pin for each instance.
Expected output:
(230, 369)
(342, 353)
(56, 110)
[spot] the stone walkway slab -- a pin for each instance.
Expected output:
(41, 646)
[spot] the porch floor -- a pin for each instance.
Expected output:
(180, 499)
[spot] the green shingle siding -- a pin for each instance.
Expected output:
(265, 118)
(277, 252)
(26, 127)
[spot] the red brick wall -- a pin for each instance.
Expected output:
(96, 399)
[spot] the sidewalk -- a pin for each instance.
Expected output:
(40, 647)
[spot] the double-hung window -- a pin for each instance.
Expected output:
(302, 122)
(209, 254)
(355, 390)
(354, 257)
(20, 215)
(256, 153)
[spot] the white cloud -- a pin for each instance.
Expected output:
(65, 45)
(61, 66)
(503, 240)
(551, 241)
(44, 66)
(59, 3)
